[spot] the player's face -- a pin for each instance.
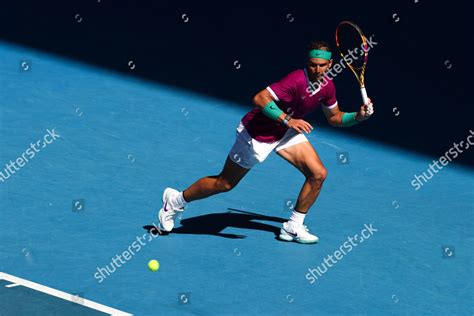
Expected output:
(317, 67)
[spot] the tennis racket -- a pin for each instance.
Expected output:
(352, 45)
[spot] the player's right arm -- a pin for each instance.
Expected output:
(264, 100)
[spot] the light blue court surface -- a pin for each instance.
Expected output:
(84, 198)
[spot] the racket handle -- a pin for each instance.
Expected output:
(365, 98)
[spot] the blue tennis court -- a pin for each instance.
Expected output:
(77, 209)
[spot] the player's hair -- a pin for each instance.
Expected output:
(321, 45)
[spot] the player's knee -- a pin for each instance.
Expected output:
(318, 176)
(224, 185)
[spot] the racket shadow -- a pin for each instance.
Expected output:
(215, 223)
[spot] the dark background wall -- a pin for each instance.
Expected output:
(421, 65)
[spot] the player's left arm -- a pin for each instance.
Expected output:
(336, 117)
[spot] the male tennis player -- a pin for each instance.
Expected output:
(276, 124)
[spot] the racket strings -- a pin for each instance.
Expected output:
(349, 37)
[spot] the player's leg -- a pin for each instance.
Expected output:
(239, 161)
(225, 181)
(175, 201)
(306, 160)
(304, 157)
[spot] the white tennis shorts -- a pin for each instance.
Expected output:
(246, 151)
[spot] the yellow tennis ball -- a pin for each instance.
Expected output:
(153, 265)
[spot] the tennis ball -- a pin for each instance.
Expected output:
(153, 265)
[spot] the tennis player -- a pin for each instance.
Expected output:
(276, 124)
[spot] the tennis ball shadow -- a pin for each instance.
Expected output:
(215, 223)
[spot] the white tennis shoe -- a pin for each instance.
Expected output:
(168, 213)
(292, 231)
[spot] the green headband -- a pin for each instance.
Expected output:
(317, 53)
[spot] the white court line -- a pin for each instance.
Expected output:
(60, 294)
(329, 144)
(12, 285)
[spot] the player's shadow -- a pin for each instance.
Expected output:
(215, 223)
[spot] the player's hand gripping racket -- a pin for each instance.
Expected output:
(353, 48)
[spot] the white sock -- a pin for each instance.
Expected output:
(178, 201)
(297, 217)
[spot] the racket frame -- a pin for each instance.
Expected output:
(359, 72)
